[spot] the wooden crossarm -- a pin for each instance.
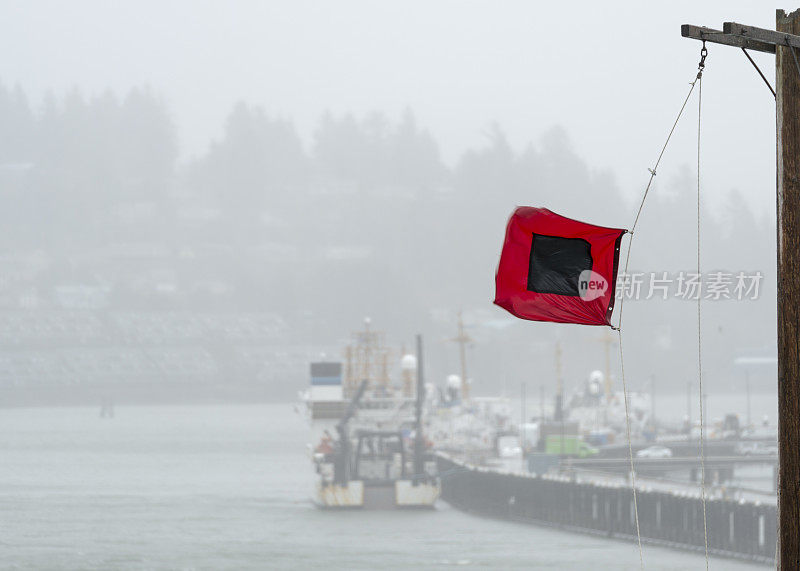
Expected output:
(761, 35)
(722, 37)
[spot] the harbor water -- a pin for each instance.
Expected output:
(228, 487)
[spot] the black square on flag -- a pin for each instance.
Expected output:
(556, 263)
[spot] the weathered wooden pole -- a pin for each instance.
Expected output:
(788, 204)
(784, 42)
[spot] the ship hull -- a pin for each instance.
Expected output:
(400, 494)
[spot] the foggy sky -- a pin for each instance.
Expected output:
(613, 74)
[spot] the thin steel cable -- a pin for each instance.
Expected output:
(661, 154)
(622, 299)
(699, 334)
(647, 190)
(630, 450)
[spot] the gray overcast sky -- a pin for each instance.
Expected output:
(612, 73)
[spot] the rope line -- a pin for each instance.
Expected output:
(630, 449)
(697, 81)
(699, 334)
(647, 190)
(661, 154)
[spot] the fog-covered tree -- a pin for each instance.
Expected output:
(375, 153)
(369, 221)
(258, 164)
(17, 125)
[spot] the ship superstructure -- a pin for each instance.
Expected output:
(369, 450)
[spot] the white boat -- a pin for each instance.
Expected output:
(370, 452)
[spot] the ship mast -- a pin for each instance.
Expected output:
(462, 339)
(367, 359)
(559, 385)
(559, 412)
(608, 341)
(365, 375)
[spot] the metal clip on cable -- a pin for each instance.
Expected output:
(702, 65)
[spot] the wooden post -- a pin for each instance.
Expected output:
(784, 42)
(788, 204)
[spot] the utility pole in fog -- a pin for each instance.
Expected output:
(783, 42)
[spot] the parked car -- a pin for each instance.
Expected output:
(654, 452)
(757, 449)
(509, 447)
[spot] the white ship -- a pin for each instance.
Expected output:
(369, 451)
(599, 411)
(457, 422)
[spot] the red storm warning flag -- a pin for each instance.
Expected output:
(557, 269)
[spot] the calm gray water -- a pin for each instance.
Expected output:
(227, 488)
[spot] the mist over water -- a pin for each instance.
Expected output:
(124, 265)
(227, 487)
(199, 200)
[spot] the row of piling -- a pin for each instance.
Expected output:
(737, 529)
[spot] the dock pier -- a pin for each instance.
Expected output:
(738, 529)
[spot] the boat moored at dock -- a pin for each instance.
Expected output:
(370, 450)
